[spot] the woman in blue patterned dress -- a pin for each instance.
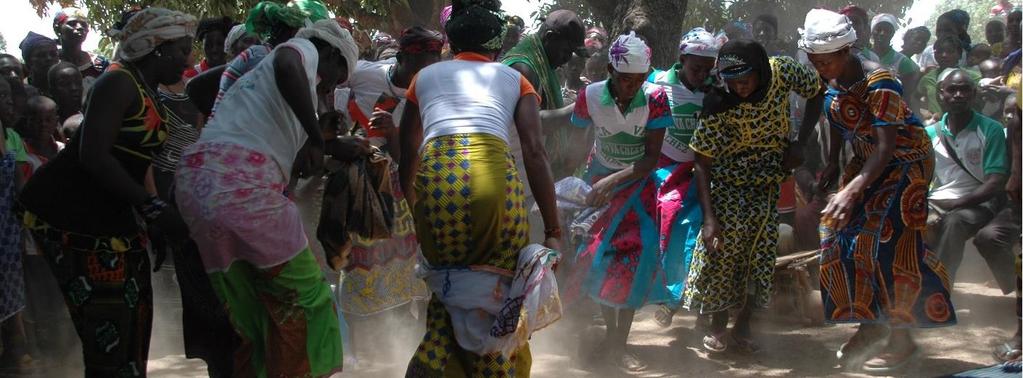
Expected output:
(875, 269)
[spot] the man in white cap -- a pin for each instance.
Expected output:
(882, 29)
(618, 262)
(685, 84)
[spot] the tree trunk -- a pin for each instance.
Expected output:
(658, 22)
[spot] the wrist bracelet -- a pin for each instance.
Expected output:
(554, 232)
(152, 208)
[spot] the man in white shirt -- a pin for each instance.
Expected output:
(970, 172)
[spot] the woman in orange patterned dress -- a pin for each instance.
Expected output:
(875, 268)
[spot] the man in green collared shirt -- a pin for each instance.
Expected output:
(970, 172)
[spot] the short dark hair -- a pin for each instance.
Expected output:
(920, 29)
(51, 75)
(207, 25)
(949, 40)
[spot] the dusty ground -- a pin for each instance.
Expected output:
(789, 349)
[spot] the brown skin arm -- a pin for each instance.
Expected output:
(289, 74)
(840, 206)
(1016, 154)
(993, 184)
(99, 130)
(710, 221)
(538, 169)
(528, 73)
(602, 190)
(410, 135)
(797, 150)
(203, 89)
(830, 173)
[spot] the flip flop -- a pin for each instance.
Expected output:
(715, 343)
(664, 316)
(853, 359)
(891, 367)
(1007, 352)
(630, 363)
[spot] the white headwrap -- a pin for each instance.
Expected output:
(825, 32)
(237, 33)
(331, 32)
(700, 42)
(629, 54)
(885, 17)
(148, 29)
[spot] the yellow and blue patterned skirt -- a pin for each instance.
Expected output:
(469, 213)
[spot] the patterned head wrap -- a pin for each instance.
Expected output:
(700, 42)
(629, 54)
(66, 15)
(738, 30)
(595, 38)
(236, 34)
(31, 41)
(825, 32)
(267, 17)
(417, 40)
(854, 11)
(150, 28)
(445, 16)
(476, 25)
(884, 17)
(315, 10)
(331, 32)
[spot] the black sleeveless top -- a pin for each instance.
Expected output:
(66, 196)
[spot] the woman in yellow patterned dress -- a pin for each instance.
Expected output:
(875, 269)
(467, 198)
(743, 154)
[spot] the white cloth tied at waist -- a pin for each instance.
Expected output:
(494, 313)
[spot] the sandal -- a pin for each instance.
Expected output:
(664, 315)
(630, 363)
(856, 351)
(715, 343)
(887, 363)
(745, 344)
(1007, 352)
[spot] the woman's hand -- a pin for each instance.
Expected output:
(350, 148)
(312, 157)
(838, 212)
(711, 234)
(600, 195)
(382, 122)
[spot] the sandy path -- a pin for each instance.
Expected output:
(788, 349)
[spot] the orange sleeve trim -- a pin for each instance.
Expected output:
(525, 89)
